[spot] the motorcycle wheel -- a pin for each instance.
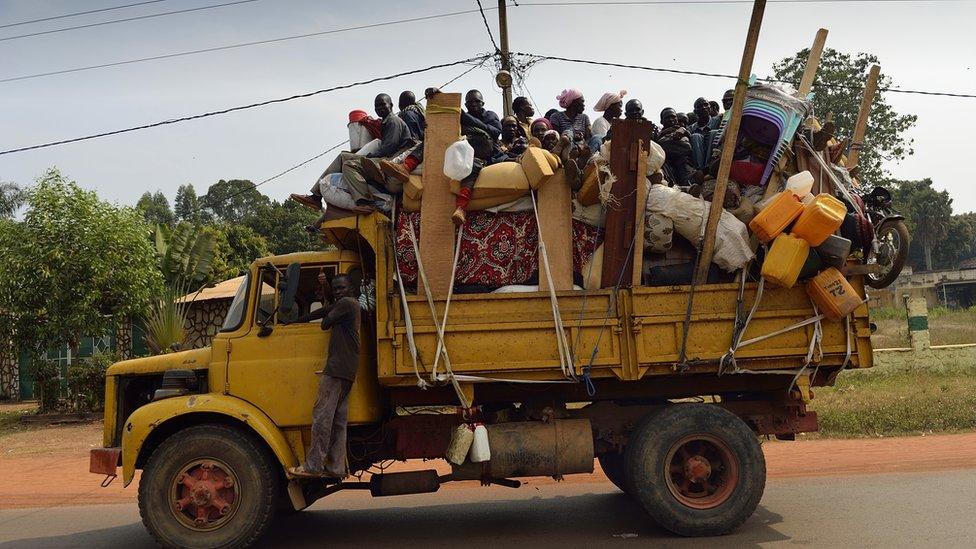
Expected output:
(893, 238)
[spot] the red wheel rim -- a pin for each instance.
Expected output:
(204, 494)
(701, 471)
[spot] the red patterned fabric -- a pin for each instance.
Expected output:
(496, 249)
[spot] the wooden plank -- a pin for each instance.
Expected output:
(813, 62)
(861, 127)
(618, 240)
(642, 150)
(555, 202)
(436, 229)
(728, 143)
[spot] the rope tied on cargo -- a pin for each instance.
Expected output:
(567, 358)
(441, 347)
(407, 321)
(441, 109)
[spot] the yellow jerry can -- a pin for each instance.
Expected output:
(776, 216)
(833, 294)
(785, 260)
(820, 219)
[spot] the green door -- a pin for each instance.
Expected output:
(26, 377)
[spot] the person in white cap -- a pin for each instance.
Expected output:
(612, 106)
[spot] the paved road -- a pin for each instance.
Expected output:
(889, 510)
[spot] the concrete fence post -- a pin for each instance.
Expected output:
(918, 323)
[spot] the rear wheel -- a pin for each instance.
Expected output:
(697, 469)
(208, 486)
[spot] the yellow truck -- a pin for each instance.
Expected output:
(214, 429)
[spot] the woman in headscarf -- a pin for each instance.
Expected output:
(612, 106)
(572, 121)
(539, 127)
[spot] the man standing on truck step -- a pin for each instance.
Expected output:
(327, 455)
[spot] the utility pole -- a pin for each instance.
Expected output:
(504, 78)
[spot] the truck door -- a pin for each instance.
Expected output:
(278, 372)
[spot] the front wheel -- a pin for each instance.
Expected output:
(892, 252)
(208, 486)
(697, 469)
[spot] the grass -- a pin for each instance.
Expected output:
(946, 327)
(10, 421)
(928, 398)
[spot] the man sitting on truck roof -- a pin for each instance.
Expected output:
(479, 117)
(413, 114)
(327, 455)
(395, 136)
(674, 139)
(524, 112)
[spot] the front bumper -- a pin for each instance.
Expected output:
(105, 461)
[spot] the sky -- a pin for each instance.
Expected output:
(926, 45)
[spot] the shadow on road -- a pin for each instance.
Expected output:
(568, 521)
(559, 521)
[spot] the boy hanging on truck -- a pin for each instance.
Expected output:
(327, 454)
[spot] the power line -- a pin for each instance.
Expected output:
(330, 149)
(240, 45)
(706, 2)
(136, 18)
(487, 27)
(242, 107)
(77, 13)
(727, 76)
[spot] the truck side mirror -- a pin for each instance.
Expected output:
(288, 286)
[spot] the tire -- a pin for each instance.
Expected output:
(613, 467)
(897, 230)
(697, 469)
(236, 513)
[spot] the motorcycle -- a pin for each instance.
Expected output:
(889, 247)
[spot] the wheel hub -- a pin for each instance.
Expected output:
(204, 494)
(697, 468)
(702, 471)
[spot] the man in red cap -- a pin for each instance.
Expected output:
(394, 135)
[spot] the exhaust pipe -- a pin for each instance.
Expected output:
(401, 484)
(534, 449)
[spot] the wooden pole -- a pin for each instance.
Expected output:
(729, 141)
(437, 205)
(870, 88)
(813, 62)
(620, 249)
(506, 59)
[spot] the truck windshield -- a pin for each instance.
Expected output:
(235, 314)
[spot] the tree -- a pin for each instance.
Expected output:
(284, 228)
(185, 259)
(187, 205)
(11, 198)
(236, 201)
(959, 243)
(155, 208)
(72, 263)
(838, 88)
(928, 214)
(237, 246)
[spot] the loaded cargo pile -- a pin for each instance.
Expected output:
(789, 213)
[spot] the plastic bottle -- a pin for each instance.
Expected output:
(458, 160)
(480, 450)
(801, 184)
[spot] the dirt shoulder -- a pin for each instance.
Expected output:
(51, 464)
